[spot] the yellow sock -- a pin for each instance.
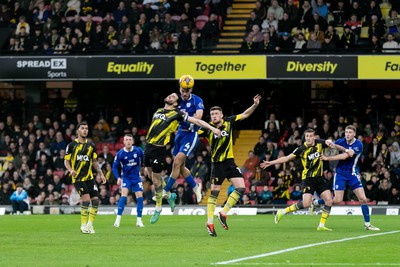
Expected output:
(291, 208)
(159, 195)
(84, 213)
(92, 213)
(211, 204)
(232, 200)
(324, 216)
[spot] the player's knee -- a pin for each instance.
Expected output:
(328, 201)
(85, 203)
(95, 202)
(214, 193)
(240, 190)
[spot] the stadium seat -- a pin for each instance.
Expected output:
(259, 188)
(252, 202)
(352, 203)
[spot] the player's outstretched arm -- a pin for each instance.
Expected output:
(204, 124)
(251, 109)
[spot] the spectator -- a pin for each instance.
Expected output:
(265, 196)
(394, 198)
(371, 191)
(250, 163)
(297, 193)
(19, 200)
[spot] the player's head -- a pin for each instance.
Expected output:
(350, 132)
(216, 114)
(172, 99)
(186, 83)
(82, 129)
(309, 136)
(128, 140)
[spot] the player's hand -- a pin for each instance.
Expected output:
(256, 99)
(323, 157)
(73, 173)
(330, 143)
(119, 181)
(265, 164)
(217, 132)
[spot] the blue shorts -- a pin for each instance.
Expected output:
(186, 142)
(340, 180)
(135, 185)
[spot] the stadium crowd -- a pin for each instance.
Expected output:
(180, 26)
(32, 154)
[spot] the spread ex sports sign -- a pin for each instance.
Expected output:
(379, 67)
(312, 67)
(221, 67)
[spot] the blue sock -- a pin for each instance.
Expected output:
(170, 184)
(121, 205)
(139, 206)
(365, 212)
(321, 201)
(191, 181)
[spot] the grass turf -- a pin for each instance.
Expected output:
(55, 240)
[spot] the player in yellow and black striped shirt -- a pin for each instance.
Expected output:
(223, 165)
(165, 122)
(309, 154)
(79, 159)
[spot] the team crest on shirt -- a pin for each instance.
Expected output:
(135, 155)
(188, 104)
(201, 105)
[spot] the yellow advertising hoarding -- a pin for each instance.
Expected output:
(221, 67)
(379, 67)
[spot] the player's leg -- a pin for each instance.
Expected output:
(360, 193)
(233, 198)
(94, 207)
(211, 205)
(326, 195)
(122, 202)
(139, 205)
(83, 191)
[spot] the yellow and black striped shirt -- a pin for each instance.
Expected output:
(310, 157)
(80, 156)
(164, 123)
(222, 148)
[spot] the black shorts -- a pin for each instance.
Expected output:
(315, 184)
(87, 187)
(154, 157)
(226, 169)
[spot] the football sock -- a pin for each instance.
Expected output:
(325, 214)
(191, 181)
(158, 198)
(170, 184)
(93, 211)
(121, 205)
(211, 204)
(139, 206)
(84, 211)
(232, 200)
(293, 207)
(365, 212)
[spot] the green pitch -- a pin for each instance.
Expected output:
(55, 240)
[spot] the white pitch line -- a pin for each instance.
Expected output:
(315, 264)
(301, 247)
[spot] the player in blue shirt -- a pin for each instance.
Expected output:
(129, 159)
(186, 139)
(347, 172)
